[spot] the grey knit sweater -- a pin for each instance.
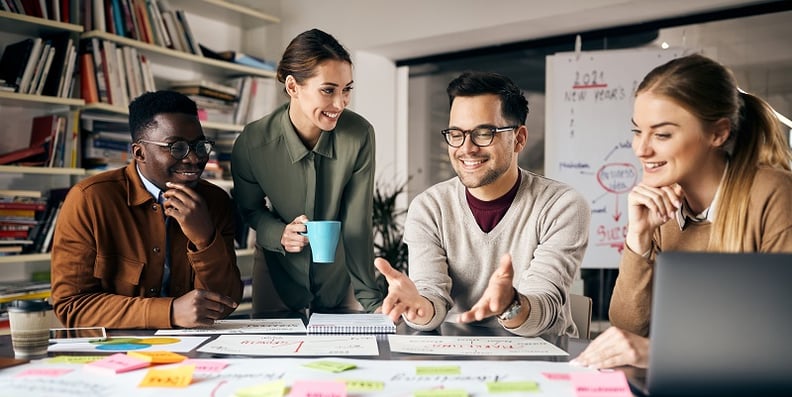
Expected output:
(451, 259)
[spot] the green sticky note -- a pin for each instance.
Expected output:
(360, 385)
(438, 370)
(74, 359)
(511, 387)
(330, 366)
(272, 389)
(441, 393)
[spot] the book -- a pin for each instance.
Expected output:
(30, 65)
(27, 153)
(51, 83)
(350, 323)
(88, 87)
(21, 205)
(13, 61)
(245, 59)
(116, 364)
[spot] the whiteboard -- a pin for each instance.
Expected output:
(588, 138)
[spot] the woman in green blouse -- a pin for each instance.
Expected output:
(310, 159)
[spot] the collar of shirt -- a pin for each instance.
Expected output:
(150, 187)
(685, 214)
(296, 148)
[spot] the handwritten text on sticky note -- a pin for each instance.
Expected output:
(180, 376)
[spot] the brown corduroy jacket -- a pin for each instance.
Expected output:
(108, 254)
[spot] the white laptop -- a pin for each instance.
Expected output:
(721, 325)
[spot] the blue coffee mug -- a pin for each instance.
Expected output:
(323, 237)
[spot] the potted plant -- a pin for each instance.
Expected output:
(388, 225)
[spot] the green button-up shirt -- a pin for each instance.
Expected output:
(334, 181)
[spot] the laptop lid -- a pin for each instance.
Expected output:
(721, 324)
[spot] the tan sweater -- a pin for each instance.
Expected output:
(769, 230)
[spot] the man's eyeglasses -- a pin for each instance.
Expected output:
(180, 149)
(481, 136)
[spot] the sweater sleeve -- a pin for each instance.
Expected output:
(545, 281)
(427, 258)
(631, 302)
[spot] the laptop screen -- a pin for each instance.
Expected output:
(721, 324)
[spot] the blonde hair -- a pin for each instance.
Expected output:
(709, 91)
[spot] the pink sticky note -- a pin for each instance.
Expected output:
(44, 372)
(318, 388)
(206, 366)
(555, 376)
(116, 364)
(600, 384)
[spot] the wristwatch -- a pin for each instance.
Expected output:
(511, 311)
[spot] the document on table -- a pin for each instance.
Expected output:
(473, 345)
(293, 345)
(115, 344)
(254, 326)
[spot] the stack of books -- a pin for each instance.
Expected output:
(20, 214)
(39, 66)
(216, 102)
(106, 141)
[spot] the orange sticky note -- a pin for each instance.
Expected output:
(318, 388)
(158, 357)
(600, 384)
(180, 376)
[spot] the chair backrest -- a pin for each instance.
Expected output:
(581, 314)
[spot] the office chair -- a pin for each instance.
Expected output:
(581, 314)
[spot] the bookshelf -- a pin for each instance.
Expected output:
(23, 107)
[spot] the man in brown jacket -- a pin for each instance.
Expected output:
(150, 245)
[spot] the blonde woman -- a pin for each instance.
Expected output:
(716, 177)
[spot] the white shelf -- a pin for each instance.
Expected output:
(176, 59)
(246, 13)
(16, 169)
(211, 125)
(37, 101)
(27, 25)
(25, 258)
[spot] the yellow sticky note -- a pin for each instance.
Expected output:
(158, 357)
(438, 370)
(74, 359)
(360, 385)
(441, 393)
(271, 389)
(180, 376)
(511, 387)
(330, 366)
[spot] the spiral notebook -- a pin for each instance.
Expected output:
(352, 323)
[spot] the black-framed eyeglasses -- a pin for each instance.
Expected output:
(180, 149)
(480, 136)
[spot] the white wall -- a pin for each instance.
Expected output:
(378, 32)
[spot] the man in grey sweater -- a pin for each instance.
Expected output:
(497, 242)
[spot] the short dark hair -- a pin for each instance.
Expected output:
(514, 106)
(306, 51)
(145, 107)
